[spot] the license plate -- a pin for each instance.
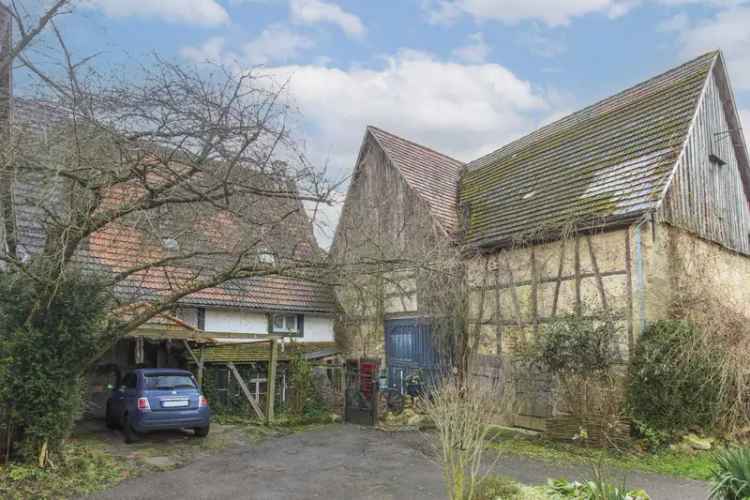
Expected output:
(175, 403)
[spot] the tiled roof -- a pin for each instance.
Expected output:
(608, 162)
(260, 351)
(434, 176)
(130, 242)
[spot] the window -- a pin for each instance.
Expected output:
(266, 257)
(716, 160)
(130, 381)
(168, 382)
(287, 323)
(170, 244)
(201, 318)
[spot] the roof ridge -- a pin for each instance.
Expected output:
(422, 146)
(560, 122)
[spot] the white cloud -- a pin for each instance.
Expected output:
(676, 23)
(475, 51)
(727, 30)
(199, 12)
(551, 12)
(275, 44)
(541, 44)
(317, 11)
(212, 51)
(461, 110)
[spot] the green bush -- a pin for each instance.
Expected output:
(731, 477)
(86, 469)
(597, 489)
(672, 386)
(304, 399)
(494, 487)
(47, 333)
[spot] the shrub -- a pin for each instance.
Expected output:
(462, 410)
(583, 354)
(671, 386)
(494, 487)
(304, 399)
(598, 489)
(47, 332)
(731, 477)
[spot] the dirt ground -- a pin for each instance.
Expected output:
(345, 462)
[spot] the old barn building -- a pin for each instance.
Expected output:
(611, 208)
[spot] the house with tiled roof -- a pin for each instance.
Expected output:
(158, 252)
(613, 208)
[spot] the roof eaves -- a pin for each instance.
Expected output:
(683, 149)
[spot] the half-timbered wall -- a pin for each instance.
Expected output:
(514, 292)
(705, 197)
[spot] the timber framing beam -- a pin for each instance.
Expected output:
(246, 391)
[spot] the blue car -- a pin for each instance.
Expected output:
(156, 399)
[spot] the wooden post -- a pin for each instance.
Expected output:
(201, 364)
(138, 350)
(198, 361)
(271, 384)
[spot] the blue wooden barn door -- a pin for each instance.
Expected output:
(409, 349)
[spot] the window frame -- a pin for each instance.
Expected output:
(298, 330)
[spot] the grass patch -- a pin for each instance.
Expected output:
(500, 487)
(668, 462)
(85, 469)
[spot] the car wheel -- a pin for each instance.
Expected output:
(202, 431)
(131, 436)
(109, 419)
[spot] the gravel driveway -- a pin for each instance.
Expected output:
(348, 462)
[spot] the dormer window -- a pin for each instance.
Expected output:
(265, 257)
(170, 244)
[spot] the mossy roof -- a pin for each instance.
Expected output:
(610, 161)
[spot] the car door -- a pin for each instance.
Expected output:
(123, 394)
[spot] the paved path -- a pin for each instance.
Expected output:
(341, 462)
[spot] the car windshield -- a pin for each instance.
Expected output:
(162, 381)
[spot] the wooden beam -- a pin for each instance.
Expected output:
(138, 351)
(271, 385)
(595, 266)
(201, 364)
(190, 351)
(245, 390)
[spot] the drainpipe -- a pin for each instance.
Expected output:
(640, 276)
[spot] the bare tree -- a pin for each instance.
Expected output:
(463, 409)
(175, 180)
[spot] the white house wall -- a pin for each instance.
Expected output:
(229, 321)
(317, 328)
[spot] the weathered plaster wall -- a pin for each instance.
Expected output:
(632, 272)
(384, 225)
(515, 292)
(706, 268)
(525, 287)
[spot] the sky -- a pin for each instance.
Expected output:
(462, 76)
